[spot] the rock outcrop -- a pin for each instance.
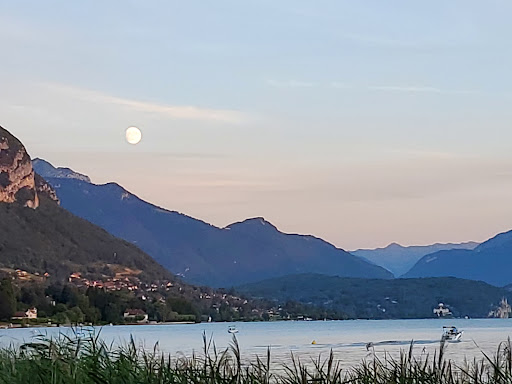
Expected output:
(44, 188)
(17, 180)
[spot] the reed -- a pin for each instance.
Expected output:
(87, 360)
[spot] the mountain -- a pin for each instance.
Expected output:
(399, 259)
(381, 299)
(38, 236)
(47, 255)
(491, 262)
(242, 252)
(50, 239)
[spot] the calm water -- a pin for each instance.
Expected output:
(347, 339)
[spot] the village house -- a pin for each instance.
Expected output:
(22, 275)
(137, 315)
(28, 314)
(75, 275)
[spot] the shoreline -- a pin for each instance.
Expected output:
(6, 326)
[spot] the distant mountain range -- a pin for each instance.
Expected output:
(399, 259)
(491, 262)
(382, 299)
(254, 249)
(242, 252)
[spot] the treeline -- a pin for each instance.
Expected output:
(382, 299)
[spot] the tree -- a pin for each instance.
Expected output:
(7, 300)
(75, 315)
(113, 313)
(182, 306)
(60, 318)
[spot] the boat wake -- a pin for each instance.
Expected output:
(369, 345)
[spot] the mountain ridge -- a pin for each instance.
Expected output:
(489, 262)
(400, 259)
(200, 252)
(61, 172)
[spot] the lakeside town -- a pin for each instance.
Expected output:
(127, 287)
(156, 293)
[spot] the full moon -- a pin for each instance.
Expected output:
(133, 135)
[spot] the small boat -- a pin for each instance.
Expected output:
(232, 329)
(451, 334)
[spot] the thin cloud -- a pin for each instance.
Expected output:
(405, 88)
(339, 85)
(431, 154)
(155, 154)
(380, 88)
(416, 89)
(380, 41)
(185, 112)
(292, 84)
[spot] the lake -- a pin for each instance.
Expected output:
(347, 339)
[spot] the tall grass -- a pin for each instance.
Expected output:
(84, 360)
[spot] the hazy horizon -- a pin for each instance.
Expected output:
(359, 123)
(280, 229)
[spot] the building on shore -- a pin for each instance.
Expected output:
(442, 311)
(503, 311)
(135, 315)
(28, 314)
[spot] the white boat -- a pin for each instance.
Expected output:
(451, 334)
(232, 329)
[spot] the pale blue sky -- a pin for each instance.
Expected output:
(362, 122)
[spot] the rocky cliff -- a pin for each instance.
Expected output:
(43, 188)
(17, 178)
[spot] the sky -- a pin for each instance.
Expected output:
(360, 122)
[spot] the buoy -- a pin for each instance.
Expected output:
(313, 342)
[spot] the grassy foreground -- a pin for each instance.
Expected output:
(74, 360)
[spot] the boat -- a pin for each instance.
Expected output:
(451, 334)
(232, 329)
